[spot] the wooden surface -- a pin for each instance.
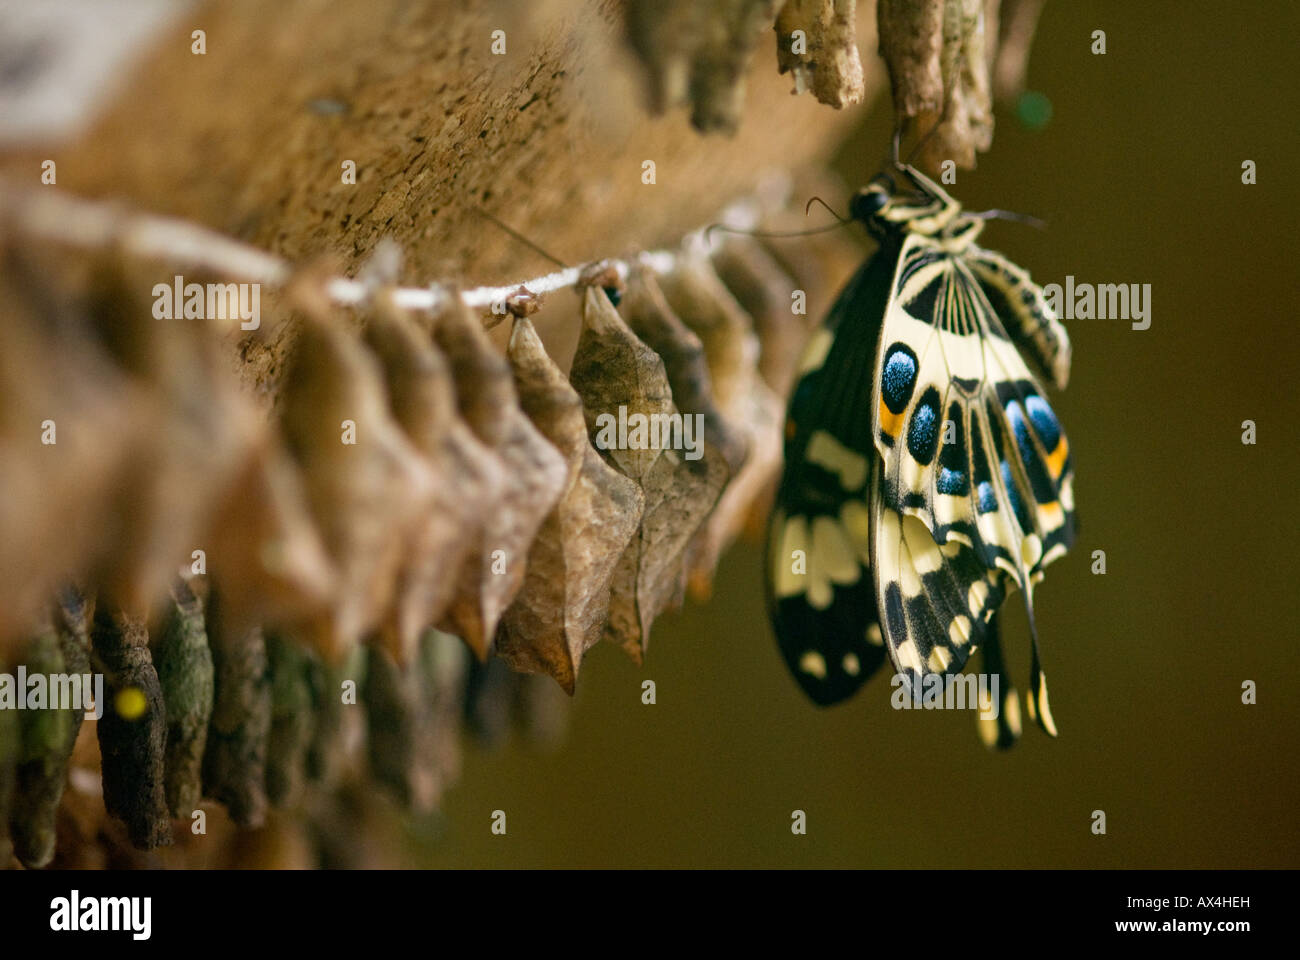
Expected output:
(249, 138)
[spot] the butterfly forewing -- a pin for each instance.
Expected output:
(821, 591)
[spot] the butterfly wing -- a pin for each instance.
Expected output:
(1001, 727)
(971, 496)
(1021, 306)
(820, 589)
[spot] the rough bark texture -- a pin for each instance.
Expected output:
(250, 137)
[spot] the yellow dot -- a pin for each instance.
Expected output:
(130, 703)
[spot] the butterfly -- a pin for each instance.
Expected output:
(926, 475)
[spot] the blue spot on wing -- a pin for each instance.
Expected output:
(952, 458)
(1035, 470)
(1021, 429)
(952, 482)
(898, 378)
(1045, 422)
(1017, 502)
(923, 431)
(987, 499)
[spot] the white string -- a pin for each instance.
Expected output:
(52, 214)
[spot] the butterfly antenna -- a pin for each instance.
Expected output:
(808, 207)
(774, 234)
(521, 238)
(780, 234)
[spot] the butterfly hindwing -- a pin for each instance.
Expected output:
(1001, 727)
(968, 499)
(1024, 312)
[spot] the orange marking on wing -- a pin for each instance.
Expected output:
(890, 422)
(1056, 459)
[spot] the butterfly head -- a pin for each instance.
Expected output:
(904, 200)
(872, 199)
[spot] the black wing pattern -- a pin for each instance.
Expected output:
(821, 591)
(972, 493)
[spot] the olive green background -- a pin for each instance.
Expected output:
(1139, 175)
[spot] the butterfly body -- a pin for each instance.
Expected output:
(926, 475)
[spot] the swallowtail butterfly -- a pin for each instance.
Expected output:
(926, 475)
